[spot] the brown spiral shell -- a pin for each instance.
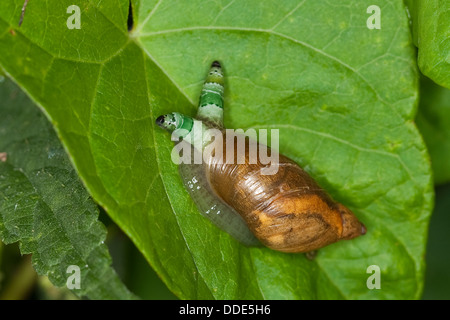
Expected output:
(286, 211)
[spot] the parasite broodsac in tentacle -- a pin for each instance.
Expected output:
(228, 177)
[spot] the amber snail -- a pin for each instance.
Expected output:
(285, 211)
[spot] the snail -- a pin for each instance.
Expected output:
(286, 211)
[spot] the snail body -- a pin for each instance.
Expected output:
(285, 211)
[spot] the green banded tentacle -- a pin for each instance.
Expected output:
(211, 99)
(210, 110)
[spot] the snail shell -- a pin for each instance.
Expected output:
(286, 211)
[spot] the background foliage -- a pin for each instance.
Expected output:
(344, 98)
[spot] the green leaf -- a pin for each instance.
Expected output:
(342, 95)
(431, 29)
(44, 206)
(433, 121)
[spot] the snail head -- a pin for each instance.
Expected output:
(170, 121)
(176, 123)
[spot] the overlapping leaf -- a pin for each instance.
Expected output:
(431, 29)
(44, 206)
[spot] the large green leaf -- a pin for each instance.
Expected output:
(44, 206)
(433, 120)
(342, 95)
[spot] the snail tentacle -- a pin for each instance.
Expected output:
(210, 106)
